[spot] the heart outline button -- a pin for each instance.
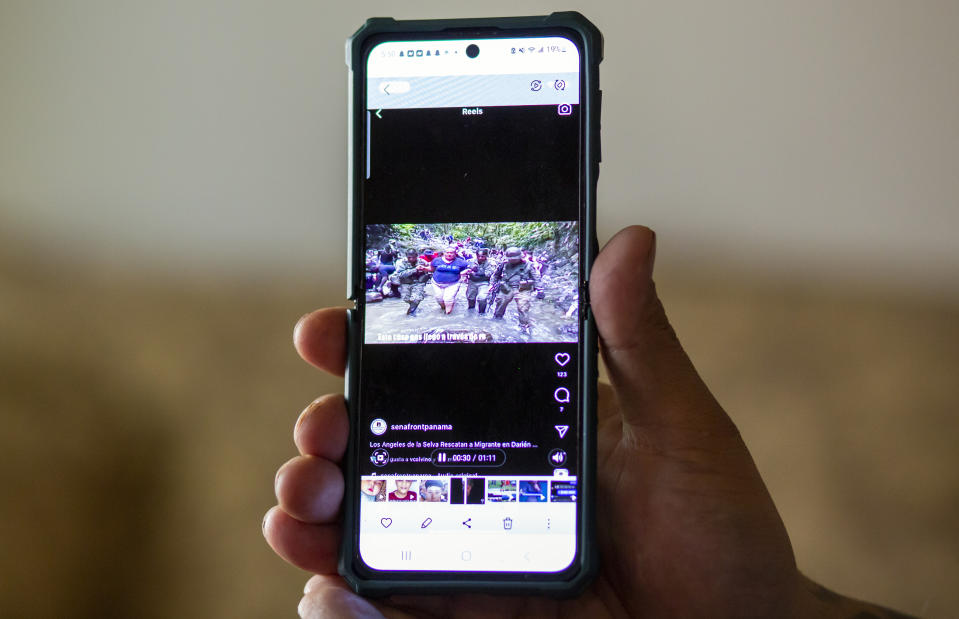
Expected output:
(386, 522)
(562, 358)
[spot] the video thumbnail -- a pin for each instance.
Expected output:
(501, 282)
(402, 490)
(468, 490)
(533, 491)
(373, 490)
(562, 491)
(501, 491)
(435, 490)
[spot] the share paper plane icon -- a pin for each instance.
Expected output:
(562, 430)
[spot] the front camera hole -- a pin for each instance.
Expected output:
(472, 50)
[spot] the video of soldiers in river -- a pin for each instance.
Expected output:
(472, 283)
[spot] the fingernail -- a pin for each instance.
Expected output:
(303, 414)
(299, 421)
(311, 584)
(299, 322)
(276, 478)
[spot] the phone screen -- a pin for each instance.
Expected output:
(469, 411)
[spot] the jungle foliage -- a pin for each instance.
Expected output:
(495, 234)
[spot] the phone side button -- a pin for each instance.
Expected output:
(599, 127)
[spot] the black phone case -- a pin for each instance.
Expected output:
(573, 580)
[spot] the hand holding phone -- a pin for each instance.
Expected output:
(686, 526)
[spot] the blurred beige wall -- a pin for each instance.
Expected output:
(811, 138)
(172, 198)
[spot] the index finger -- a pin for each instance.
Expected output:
(320, 338)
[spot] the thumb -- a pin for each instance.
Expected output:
(655, 382)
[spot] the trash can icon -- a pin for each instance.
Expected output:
(507, 523)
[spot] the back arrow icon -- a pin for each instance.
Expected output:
(378, 113)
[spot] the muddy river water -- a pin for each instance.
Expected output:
(387, 322)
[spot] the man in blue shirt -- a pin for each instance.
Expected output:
(446, 278)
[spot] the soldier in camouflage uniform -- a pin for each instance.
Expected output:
(411, 276)
(515, 278)
(477, 287)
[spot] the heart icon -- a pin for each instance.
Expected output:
(386, 522)
(562, 358)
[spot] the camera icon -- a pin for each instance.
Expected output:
(564, 109)
(380, 457)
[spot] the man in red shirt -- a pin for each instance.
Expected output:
(403, 492)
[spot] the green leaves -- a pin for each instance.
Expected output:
(498, 234)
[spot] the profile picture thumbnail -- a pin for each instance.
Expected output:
(472, 283)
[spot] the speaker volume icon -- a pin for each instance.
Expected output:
(557, 457)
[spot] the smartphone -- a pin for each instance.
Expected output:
(471, 374)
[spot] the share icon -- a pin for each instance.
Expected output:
(562, 430)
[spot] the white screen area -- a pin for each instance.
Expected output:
(526, 524)
(534, 71)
